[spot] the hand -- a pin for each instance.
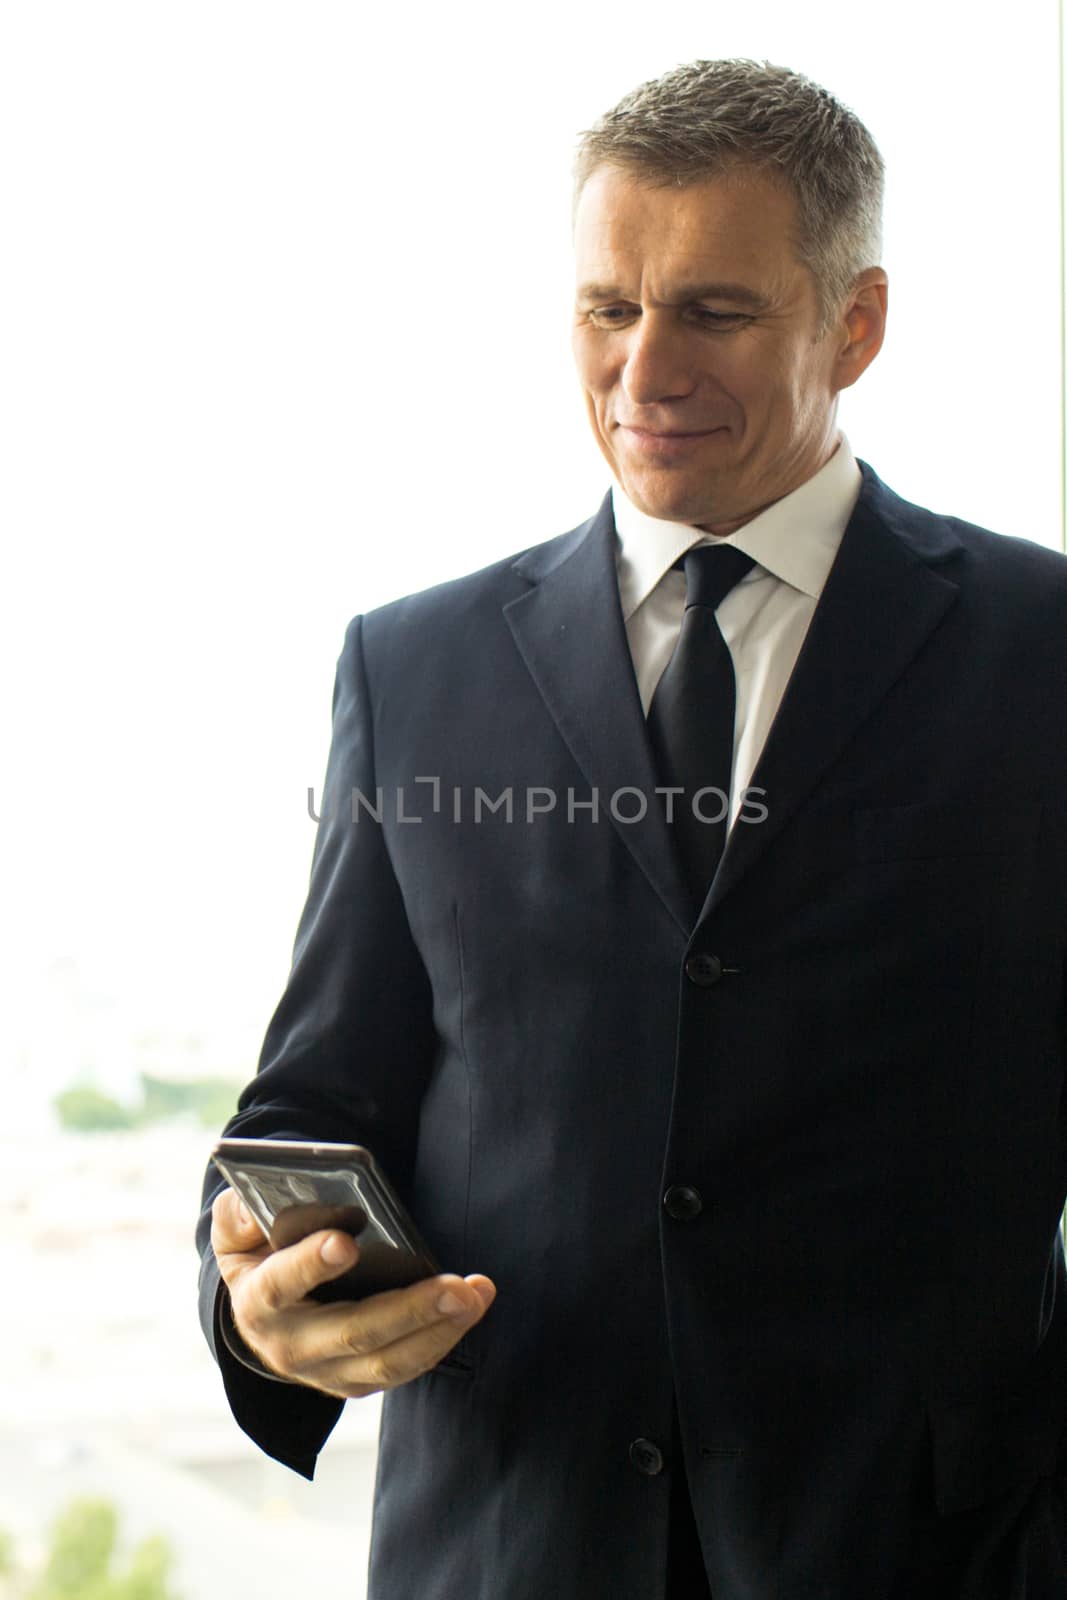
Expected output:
(347, 1349)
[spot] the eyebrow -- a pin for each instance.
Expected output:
(739, 293)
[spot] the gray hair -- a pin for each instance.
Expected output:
(710, 119)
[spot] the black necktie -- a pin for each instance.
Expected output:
(691, 718)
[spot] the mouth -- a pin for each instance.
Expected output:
(672, 442)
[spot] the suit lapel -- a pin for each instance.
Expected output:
(881, 600)
(570, 631)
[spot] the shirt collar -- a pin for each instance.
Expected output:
(795, 539)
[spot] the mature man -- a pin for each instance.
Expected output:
(762, 1147)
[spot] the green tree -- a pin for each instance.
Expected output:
(86, 1109)
(89, 1110)
(212, 1100)
(81, 1555)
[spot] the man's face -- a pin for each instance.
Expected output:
(693, 337)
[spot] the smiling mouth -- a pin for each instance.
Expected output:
(651, 440)
(669, 433)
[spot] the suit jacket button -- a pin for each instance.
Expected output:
(646, 1457)
(682, 1203)
(703, 970)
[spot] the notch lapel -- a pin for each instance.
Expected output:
(570, 632)
(880, 603)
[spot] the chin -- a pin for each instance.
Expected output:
(669, 502)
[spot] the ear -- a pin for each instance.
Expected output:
(862, 327)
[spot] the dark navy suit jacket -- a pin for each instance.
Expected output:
(852, 1054)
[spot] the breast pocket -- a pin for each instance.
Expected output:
(941, 901)
(943, 832)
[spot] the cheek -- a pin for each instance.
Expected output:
(597, 411)
(780, 399)
(594, 370)
(598, 405)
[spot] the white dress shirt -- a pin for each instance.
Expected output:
(765, 616)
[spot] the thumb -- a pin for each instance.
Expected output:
(250, 1231)
(233, 1228)
(236, 1238)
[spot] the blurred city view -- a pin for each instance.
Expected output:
(109, 1397)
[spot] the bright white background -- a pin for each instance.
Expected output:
(284, 332)
(285, 295)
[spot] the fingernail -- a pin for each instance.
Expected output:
(243, 1215)
(335, 1249)
(450, 1305)
(484, 1293)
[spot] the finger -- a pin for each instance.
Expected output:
(268, 1293)
(238, 1249)
(285, 1277)
(348, 1328)
(484, 1287)
(388, 1338)
(393, 1364)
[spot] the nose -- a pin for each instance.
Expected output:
(659, 362)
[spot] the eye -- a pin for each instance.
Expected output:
(610, 314)
(614, 316)
(703, 314)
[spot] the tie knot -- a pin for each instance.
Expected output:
(711, 572)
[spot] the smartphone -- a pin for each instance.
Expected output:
(293, 1188)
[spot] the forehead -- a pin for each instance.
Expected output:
(737, 226)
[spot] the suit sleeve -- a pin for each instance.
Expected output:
(346, 1055)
